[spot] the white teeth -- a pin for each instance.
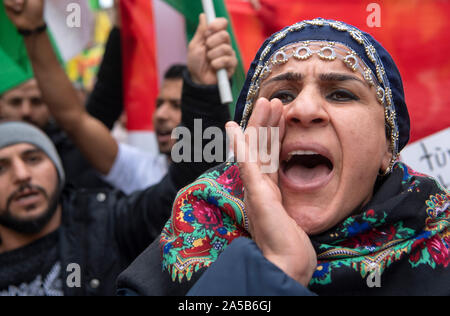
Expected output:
(301, 152)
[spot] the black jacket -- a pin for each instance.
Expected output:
(106, 103)
(104, 231)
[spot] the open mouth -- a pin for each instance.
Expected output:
(163, 138)
(164, 132)
(307, 168)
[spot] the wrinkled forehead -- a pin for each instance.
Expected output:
(296, 55)
(328, 40)
(330, 57)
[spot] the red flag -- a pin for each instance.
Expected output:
(140, 73)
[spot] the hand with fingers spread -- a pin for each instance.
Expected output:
(25, 14)
(210, 50)
(278, 236)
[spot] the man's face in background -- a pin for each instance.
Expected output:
(24, 103)
(167, 115)
(28, 188)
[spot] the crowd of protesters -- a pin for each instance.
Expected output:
(83, 214)
(71, 193)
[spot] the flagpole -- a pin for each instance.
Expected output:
(222, 77)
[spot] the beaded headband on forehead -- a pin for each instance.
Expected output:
(331, 40)
(327, 51)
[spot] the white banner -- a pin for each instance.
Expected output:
(431, 156)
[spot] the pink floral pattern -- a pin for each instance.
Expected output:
(207, 214)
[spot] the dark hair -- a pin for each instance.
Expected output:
(175, 71)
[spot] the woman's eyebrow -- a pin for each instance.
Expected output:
(287, 76)
(332, 76)
(326, 77)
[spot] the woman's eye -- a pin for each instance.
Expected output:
(342, 95)
(284, 96)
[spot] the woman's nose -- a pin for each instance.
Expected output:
(307, 109)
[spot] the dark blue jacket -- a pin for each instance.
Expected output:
(242, 270)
